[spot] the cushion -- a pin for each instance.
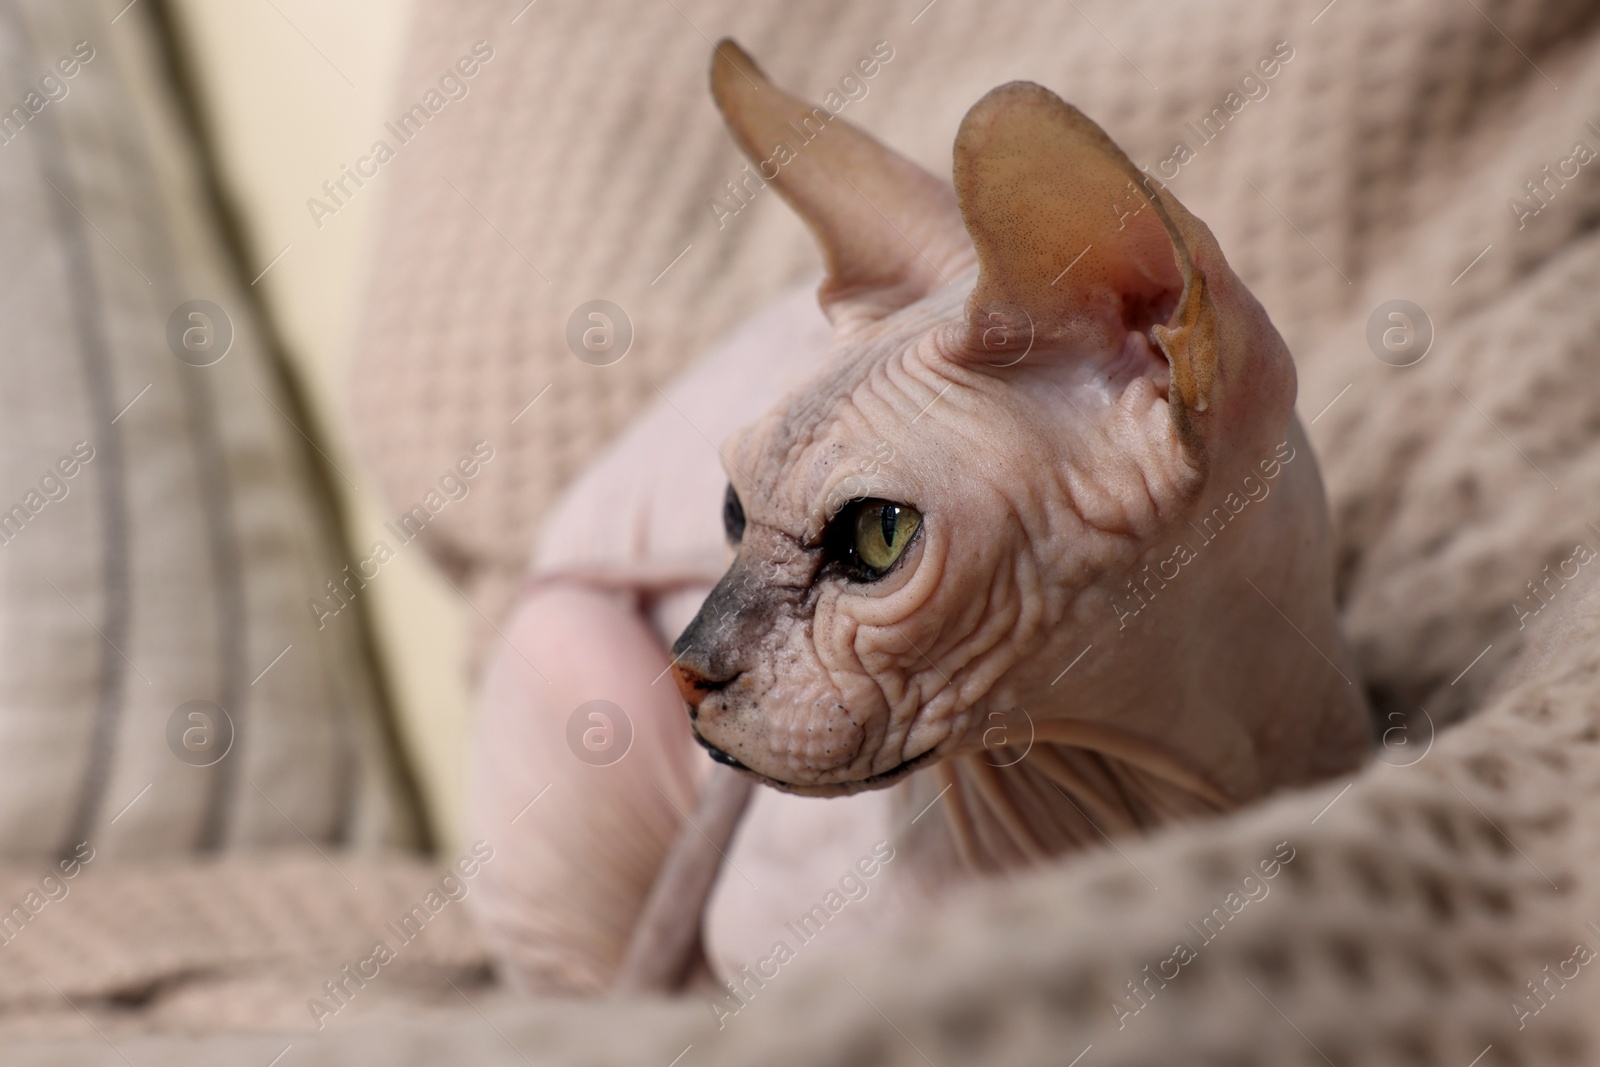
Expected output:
(183, 662)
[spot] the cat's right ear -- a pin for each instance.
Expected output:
(890, 232)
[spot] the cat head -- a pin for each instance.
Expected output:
(1037, 376)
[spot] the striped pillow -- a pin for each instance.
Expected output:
(164, 686)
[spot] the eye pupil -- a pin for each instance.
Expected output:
(879, 533)
(732, 515)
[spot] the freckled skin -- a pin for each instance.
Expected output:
(1048, 475)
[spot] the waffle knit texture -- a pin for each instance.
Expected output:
(1432, 911)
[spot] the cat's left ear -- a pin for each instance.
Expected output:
(1078, 248)
(890, 231)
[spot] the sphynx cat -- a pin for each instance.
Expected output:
(1034, 534)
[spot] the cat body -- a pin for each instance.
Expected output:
(1027, 534)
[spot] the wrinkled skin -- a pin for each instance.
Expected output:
(1030, 517)
(1053, 457)
(1117, 611)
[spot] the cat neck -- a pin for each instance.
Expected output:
(1014, 806)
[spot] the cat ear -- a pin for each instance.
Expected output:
(890, 231)
(1077, 247)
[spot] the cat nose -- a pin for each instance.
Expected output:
(696, 683)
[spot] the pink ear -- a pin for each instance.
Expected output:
(1076, 246)
(890, 232)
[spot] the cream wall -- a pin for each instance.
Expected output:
(291, 89)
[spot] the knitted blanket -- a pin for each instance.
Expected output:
(1441, 907)
(277, 941)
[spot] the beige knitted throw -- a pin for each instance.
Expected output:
(1436, 909)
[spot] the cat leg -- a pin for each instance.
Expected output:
(572, 869)
(643, 522)
(667, 949)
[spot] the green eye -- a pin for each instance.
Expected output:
(882, 531)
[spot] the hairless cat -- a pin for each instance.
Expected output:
(1101, 457)
(1102, 540)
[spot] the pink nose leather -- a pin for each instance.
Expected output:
(695, 686)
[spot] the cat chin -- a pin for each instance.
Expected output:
(827, 789)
